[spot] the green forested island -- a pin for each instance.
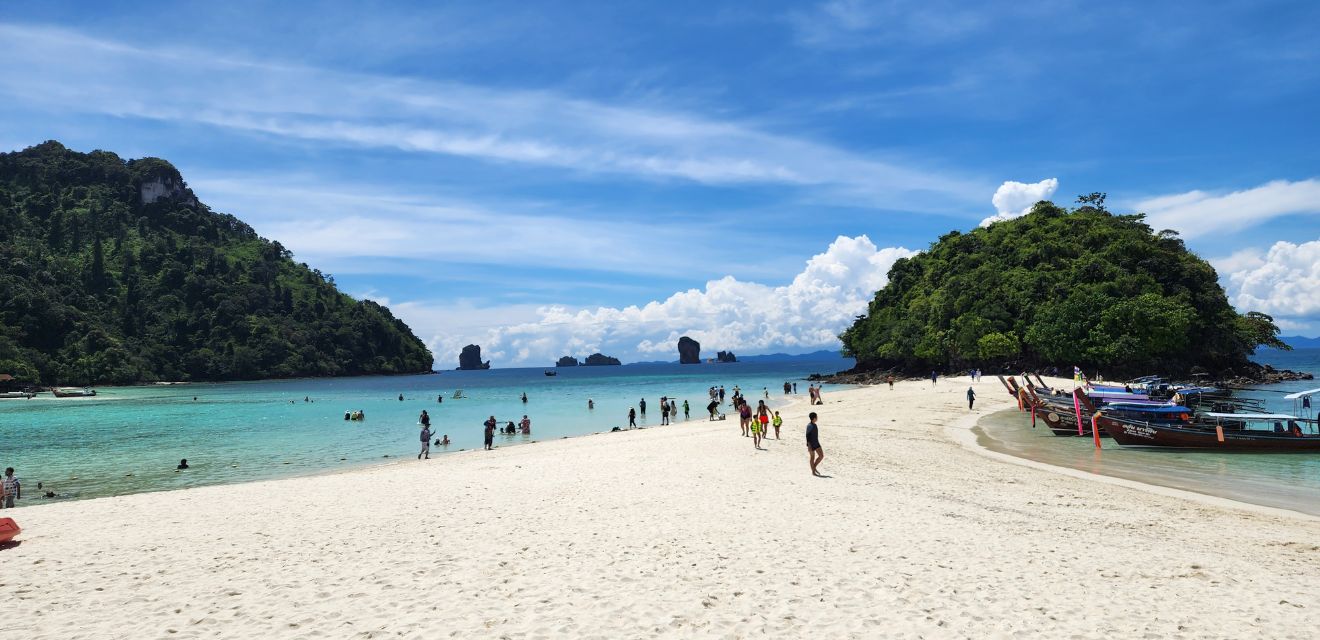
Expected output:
(1057, 287)
(111, 271)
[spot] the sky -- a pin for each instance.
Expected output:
(555, 178)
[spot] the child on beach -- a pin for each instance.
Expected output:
(778, 422)
(756, 434)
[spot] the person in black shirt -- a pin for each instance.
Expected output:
(814, 453)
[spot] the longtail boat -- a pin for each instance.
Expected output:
(1218, 431)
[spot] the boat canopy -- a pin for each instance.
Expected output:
(1253, 416)
(1301, 394)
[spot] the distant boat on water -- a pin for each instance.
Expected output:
(16, 395)
(548, 372)
(73, 392)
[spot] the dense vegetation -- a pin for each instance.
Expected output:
(1057, 287)
(112, 272)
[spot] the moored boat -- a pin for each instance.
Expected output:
(16, 395)
(73, 392)
(1218, 431)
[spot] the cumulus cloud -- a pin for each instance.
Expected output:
(1013, 199)
(807, 313)
(1285, 283)
(1198, 213)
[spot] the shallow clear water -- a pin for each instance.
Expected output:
(128, 440)
(1284, 480)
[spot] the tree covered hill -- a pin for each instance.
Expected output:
(1057, 287)
(111, 271)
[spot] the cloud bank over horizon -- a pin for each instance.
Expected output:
(746, 317)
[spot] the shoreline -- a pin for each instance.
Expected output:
(969, 434)
(673, 532)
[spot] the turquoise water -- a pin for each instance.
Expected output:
(128, 440)
(1283, 480)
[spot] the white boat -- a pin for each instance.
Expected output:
(15, 395)
(73, 392)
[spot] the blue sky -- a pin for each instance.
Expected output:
(560, 178)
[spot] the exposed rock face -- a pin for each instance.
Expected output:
(689, 351)
(470, 359)
(567, 361)
(726, 356)
(597, 359)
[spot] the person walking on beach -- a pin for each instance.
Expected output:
(756, 434)
(763, 417)
(744, 416)
(426, 441)
(778, 422)
(10, 489)
(971, 398)
(632, 418)
(814, 453)
(490, 432)
(933, 378)
(891, 382)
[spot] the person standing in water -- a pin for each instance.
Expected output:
(526, 425)
(641, 406)
(490, 432)
(664, 413)
(424, 419)
(524, 397)
(814, 453)
(971, 397)
(632, 418)
(400, 397)
(426, 440)
(10, 489)
(591, 404)
(685, 409)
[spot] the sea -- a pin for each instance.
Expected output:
(130, 439)
(1283, 480)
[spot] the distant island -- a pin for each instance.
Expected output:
(598, 360)
(111, 271)
(1058, 288)
(567, 361)
(470, 359)
(725, 356)
(689, 351)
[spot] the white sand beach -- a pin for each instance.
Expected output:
(680, 531)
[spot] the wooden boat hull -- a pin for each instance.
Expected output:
(73, 393)
(1137, 434)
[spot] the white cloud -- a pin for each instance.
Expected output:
(1285, 283)
(1013, 199)
(342, 228)
(1198, 213)
(852, 23)
(729, 314)
(68, 71)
